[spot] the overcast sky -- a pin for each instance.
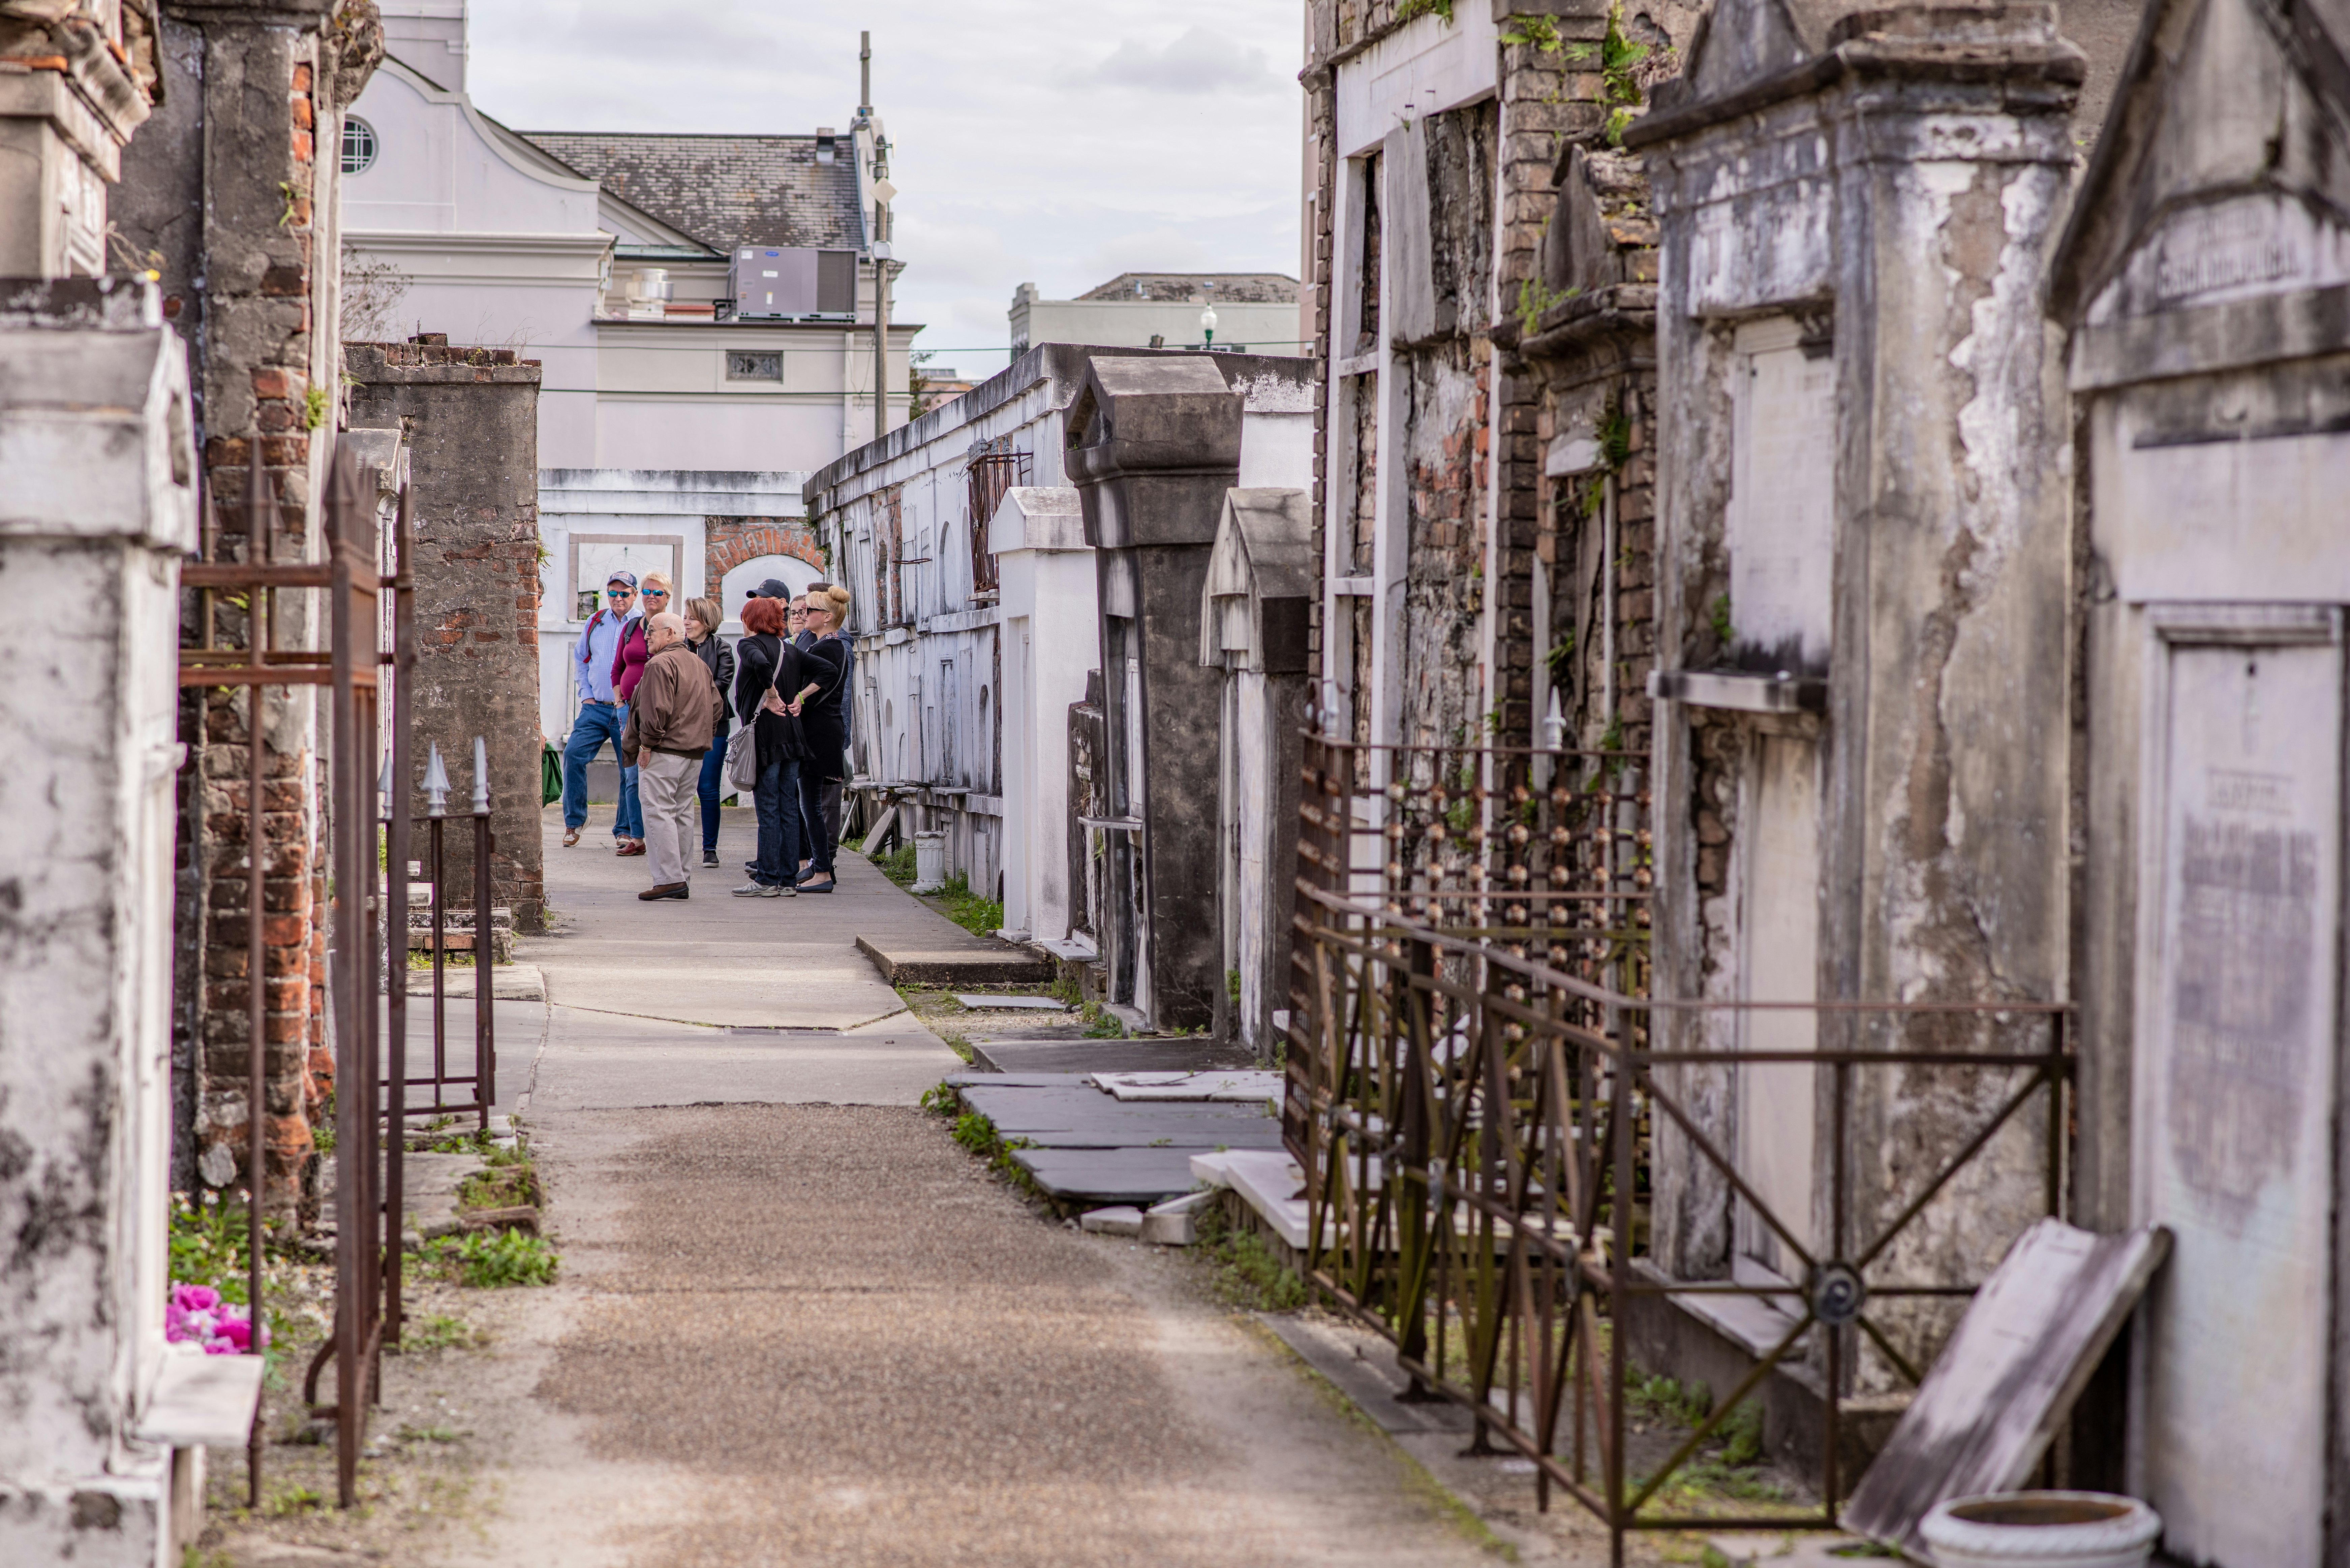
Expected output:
(1034, 140)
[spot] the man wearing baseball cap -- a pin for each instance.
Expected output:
(772, 588)
(602, 717)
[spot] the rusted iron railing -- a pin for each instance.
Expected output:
(482, 1082)
(1483, 1108)
(350, 579)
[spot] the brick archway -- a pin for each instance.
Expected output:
(728, 542)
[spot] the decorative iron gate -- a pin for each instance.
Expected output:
(1476, 1097)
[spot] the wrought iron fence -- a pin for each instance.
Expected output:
(366, 637)
(350, 579)
(1485, 1103)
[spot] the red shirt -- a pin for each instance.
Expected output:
(629, 658)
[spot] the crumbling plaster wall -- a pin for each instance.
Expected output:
(1907, 215)
(471, 417)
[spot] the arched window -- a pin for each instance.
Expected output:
(359, 145)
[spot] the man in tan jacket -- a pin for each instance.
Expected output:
(671, 717)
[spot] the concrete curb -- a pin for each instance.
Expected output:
(953, 966)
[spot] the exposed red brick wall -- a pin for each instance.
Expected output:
(728, 542)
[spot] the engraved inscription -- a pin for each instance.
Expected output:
(2224, 247)
(2243, 975)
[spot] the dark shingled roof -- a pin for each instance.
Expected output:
(1176, 287)
(725, 191)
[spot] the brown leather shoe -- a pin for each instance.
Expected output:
(672, 890)
(630, 847)
(570, 837)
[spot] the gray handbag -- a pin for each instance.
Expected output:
(742, 752)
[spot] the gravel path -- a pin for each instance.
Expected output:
(825, 1336)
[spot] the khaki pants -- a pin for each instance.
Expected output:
(665, 787)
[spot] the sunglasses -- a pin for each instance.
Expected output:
(656, 593)
(620, 593)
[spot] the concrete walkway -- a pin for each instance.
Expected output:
(797, 1332)
(714, 958)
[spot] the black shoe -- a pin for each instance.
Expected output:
(709, 857)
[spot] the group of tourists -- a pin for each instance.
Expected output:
(665, 688)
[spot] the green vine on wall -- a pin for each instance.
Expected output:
(1411, 8)
(1618, 54)
(1534, 297)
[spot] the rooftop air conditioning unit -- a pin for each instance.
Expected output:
(792, 282)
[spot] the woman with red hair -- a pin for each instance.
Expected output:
(766, 663)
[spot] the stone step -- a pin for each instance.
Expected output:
(927, 963)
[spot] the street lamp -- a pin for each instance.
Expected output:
(1208, 325)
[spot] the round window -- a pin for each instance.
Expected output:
(358, 146)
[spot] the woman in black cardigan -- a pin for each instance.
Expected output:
(766, 663)
(823, 722)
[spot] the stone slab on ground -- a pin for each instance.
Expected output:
(1180, 1055)
(1078, 1115)
(1237, 1085)
(508, 981)
(1013, 1003)
(1108, 1175)
(428, 1185)
(924, 958)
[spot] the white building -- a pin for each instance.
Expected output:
(1254, 313)
(676, 420)
(974, 619)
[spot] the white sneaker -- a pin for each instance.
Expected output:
(757, 890)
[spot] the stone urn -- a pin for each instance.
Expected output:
(2041, 1530)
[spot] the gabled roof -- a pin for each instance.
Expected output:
(725, 191)
(1746, 52)
(2219, 99)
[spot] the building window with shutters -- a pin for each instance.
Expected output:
(742, 366)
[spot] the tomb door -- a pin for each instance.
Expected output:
(1776, 1116)
(1780, 528)
(2236, 1078)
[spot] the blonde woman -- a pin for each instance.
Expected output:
(823, 712)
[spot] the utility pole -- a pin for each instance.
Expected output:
(882, 190)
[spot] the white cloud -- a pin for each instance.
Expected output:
(1198, 62)
(1007, 171)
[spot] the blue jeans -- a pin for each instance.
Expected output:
(778, 799)
(713, 774)
(596, 725)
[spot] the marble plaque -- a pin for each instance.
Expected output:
(2235, 1090)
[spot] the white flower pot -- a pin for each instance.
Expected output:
(2041, 1530)
(930, 862)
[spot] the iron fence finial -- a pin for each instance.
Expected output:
(480, 777)
(436, 783)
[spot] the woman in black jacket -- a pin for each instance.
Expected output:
(766, 663)
(823, 722)
(701, 618)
